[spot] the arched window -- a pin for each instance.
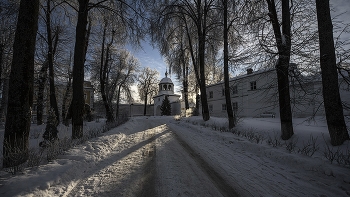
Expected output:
(164, 87)
(169, 87)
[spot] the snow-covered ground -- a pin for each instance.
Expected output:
(162, 156)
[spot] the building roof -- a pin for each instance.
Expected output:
(166, 79)
(244, 76)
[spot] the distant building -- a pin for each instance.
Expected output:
(166, 89)
(255, 94)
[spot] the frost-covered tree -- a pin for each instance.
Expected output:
(132, 18)
(147, 85)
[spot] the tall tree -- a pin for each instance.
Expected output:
(131, 17)
(41, 82)
(283, 42)
(78, 70)
(104, 72)
(147, 85)
(50, 55)
(66, 96)
(231, 119)
(127, 67)
(8, 19)
(332, 102)
(16, 144)
(198, 20)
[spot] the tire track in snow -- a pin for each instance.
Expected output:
(130, 171)
(220, 183)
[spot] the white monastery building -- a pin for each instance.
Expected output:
(166, 89)
(254, 94)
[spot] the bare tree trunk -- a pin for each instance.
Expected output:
(197, 100)
(1, 81)
(145, 105)
(332, 101)
(283, 42)
(201, 42)
(78, 71)
(53, 101)
(231, 120)
(185, 80)
(66, 94)
(16, 144)
(65, 99)
(4, 99)
(103, 76)
(1, 63)
(41, 89)
(118, 100)
(185, 85)
(42, 83)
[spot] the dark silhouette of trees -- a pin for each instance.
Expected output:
(165, 108)
(104, 72)
(52, 38)
(78, 70)
(16, 144)
(131, 16)
(332, 102)
(283, 43)
(226, 27)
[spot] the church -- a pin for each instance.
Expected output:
(166, 89)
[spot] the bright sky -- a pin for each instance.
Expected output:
(151, 57)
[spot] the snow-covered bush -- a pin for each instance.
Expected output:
(50, 134)
(275, 140)
(310, 147)
(291, 144)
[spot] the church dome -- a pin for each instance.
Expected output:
(165, 80)
(166, 86)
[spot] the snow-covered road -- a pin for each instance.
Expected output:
(153, 161)
(158, 156)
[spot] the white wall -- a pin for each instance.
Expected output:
(306, 100)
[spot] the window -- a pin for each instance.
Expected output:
(211, 94)
(234, 89)
(223, 92)
(253, 85)
(223, 107)
(211, 108)
(235, 106)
